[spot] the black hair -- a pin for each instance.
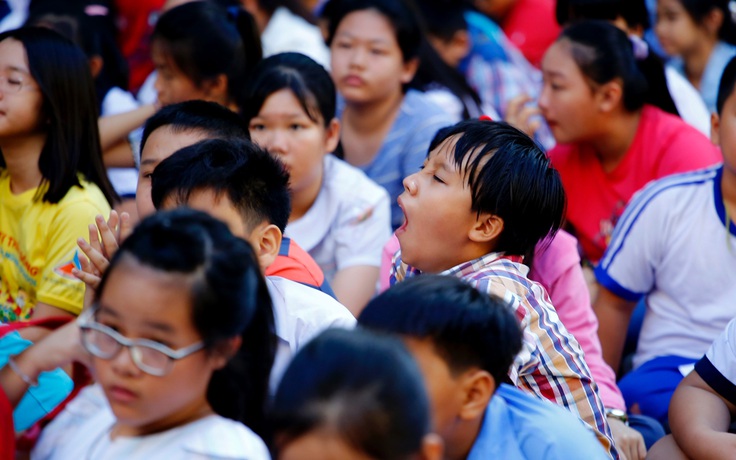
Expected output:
(95, 35)
(295, 6)
(308, 81)
(603, 53)
(208, 117)
(633, 12)
(365, 388)
(467, 328)
(509, 176)
(254, 181)
(205, 40)
(443, 19)
(229, 298)
(70, 107)
(727, 85)
(401, 14)
(700, 9)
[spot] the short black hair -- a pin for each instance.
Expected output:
(633, 12)
(210, 118)
(363, 387)
(509, 176)
(254, 181)
(727, 84)
(401, 14)
(467, 327)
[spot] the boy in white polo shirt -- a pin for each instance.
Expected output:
(675, 246)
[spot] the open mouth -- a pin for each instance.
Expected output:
(402, 228)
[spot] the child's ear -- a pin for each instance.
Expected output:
(715, 124)
(487, 228)
(409, 69)
(215, 88)
(332, 135)
(478, 388)
(224, 351)
(266, 241)
(713, 21)
(609, 95)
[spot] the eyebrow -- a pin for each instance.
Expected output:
(149, 162)
(17, 69)
(553, 73)
(370, 40)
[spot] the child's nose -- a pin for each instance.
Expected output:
(410, 184)
(123, 364)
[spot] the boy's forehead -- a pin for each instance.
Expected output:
(167, 139)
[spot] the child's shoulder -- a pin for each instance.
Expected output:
(219, 437)
(419, 112)
(349, 184)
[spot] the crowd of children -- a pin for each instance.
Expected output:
(368, 229)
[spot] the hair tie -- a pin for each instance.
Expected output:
(640, 47)
(233, 12)
(488, 118)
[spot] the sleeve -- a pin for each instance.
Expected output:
(57, 286)
(628, 267)
(361, 238)
(718, 367)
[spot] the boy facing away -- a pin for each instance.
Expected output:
(484, 197)
(464, 342)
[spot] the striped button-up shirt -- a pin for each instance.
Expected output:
(551, 363)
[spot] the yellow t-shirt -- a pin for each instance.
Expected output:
(38, 247)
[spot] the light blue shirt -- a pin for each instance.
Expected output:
(518, 426)
(711, 79)
(405, 147)
(53, 387)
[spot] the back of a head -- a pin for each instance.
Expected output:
(254, 181)
(229, 299)
(727, 85)
(468, 328)
(604, 53)
(62, 73)
(633, 12)
(205, 40)
(401, 14)
(310, 83)
(444, 18)
(365, 388)
(211, 118)
(509, 176)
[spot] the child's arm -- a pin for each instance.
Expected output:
(354, 286)
(700, 418)
(116, 128)
(615, 312)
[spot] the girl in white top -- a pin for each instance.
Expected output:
(339, 215)
(179, 340)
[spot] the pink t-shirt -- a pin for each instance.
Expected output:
(531, 26)
(663, 145)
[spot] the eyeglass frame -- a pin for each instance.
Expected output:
(87, 323)
(14, 88)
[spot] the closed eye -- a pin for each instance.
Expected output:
(437, 179)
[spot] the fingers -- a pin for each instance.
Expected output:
(126, 227)
(99, 262)
(87, 278)
(109, 240)
(519, 113)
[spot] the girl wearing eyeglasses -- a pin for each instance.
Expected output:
(180, 343)
(52, 181)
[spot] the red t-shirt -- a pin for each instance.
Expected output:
(135, 20)
(531, 26)
(663, 145)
